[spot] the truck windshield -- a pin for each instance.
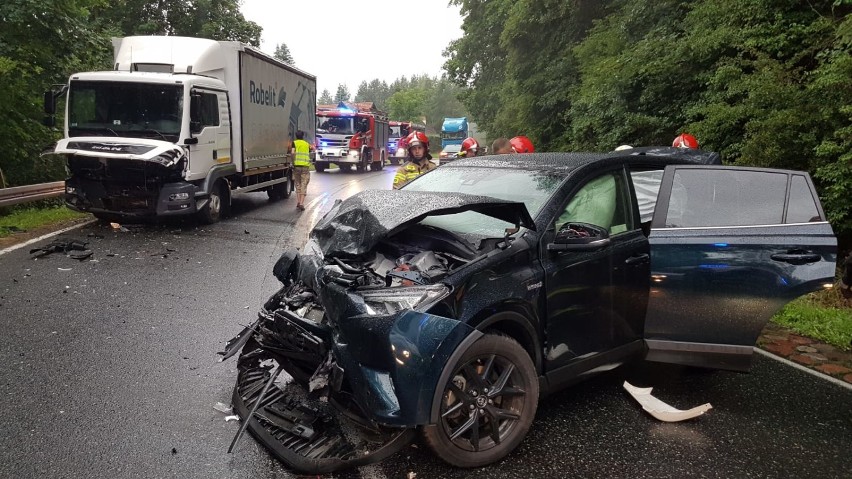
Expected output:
(341, 125)
(399, 131)
(141, 110)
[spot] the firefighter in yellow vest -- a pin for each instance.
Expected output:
(301, 167)
(418, 161)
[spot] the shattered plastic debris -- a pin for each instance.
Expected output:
(661, 410)
(80, 255)
(64, 269)
(74, 248)
(232, 418)
(223, 408)
(118, 227)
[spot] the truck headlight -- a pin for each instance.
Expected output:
(390, 301)
(178, 196)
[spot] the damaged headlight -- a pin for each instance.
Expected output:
(417, 298)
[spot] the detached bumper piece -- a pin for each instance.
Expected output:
(309, 435)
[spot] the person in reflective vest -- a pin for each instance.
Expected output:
(418, 161)
(301, 168)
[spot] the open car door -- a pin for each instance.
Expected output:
(729, 247)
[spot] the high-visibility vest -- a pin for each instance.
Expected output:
(303, 153)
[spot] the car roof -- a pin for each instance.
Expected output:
(453, 146)
(559, 163)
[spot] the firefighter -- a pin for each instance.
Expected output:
(469, 148)
(522, 144)
(418, 161)
(685, 140)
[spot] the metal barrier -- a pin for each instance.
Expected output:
(25, 194)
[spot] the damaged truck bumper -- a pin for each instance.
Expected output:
(170, 199)
(337, 411)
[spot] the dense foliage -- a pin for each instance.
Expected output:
(43, 41)
(421, 98)
(764, 82)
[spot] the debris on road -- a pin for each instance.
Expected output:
(223, 408)
(661, 410)
(118, 227)
(73, 248)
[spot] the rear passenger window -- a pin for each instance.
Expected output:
(802, 207)
(714, 197)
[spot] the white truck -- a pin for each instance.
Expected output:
(179, 126)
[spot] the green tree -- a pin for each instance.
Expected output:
(342, 93)
(375, 91)
(282, 52)
(35, 54)
(407, 105)
(325, 98)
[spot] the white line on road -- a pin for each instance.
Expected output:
(807, 370)
(44, 237)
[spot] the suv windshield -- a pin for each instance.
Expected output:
(141, 110)
(533, 188)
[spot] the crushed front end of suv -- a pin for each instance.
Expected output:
(449, 306)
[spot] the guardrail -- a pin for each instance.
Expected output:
(25, 194)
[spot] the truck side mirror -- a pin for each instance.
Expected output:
(195, 113)
(49, 103)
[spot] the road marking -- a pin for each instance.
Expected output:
(807, 370)
(44, 237)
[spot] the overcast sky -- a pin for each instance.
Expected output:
(393, 37)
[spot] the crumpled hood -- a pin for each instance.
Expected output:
(157, 151)
(355, 225)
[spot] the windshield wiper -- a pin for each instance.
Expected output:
(151, 130)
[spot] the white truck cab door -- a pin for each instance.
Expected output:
(210, 124)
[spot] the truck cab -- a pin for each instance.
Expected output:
(179, 126)
(351, 136)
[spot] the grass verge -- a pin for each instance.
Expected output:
(825, 316)
(25, 219)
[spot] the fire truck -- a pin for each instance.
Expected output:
(399, 130)
(351, 135)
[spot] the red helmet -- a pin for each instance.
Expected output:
(685, 140)
(468, 145)
(417, 138)
(522, 144)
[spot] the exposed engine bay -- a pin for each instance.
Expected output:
(357, 304)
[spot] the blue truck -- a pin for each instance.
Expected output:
(453, 131)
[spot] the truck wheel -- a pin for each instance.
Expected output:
(320, 167)
(487, 405)
(281, 191)
(378, 165)
(216, 207)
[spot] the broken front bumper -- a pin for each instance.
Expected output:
(369, 411)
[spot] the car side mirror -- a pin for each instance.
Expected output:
(579, 237)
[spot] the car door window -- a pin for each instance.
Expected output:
(646, 184)
(600, 202)
(802, 207)
(703, 197)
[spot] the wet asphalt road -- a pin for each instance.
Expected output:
(109, 370)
